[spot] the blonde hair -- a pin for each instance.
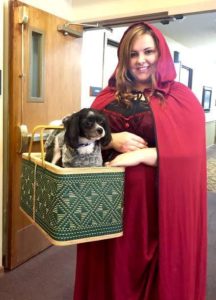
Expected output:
(124, 80)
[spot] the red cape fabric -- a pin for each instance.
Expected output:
(180, 132)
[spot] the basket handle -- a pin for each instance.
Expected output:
(41, 129)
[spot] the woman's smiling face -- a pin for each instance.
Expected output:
(143, 61)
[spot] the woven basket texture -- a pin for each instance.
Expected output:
(73, 206)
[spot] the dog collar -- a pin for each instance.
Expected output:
(84, 145)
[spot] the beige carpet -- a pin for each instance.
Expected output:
(211, 168)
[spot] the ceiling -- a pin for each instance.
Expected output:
(191, 30)
(194, 31)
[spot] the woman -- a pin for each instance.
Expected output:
(159, 136)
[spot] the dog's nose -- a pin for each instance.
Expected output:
(99, 130)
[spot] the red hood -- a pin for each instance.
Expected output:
(165, 73)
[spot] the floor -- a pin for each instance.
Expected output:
(211, 280)
(50, 275)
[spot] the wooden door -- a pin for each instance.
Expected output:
(39, 91)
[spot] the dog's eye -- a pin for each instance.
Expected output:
(101, 123)
(88, 124)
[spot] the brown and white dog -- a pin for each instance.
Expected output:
(79, 144)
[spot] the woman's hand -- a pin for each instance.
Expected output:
(126, 142)
(146, 156)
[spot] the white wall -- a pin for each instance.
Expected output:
(92, 64)
(203, 71)
(97, 64)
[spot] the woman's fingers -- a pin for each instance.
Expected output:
(138, 139)
(126, 141)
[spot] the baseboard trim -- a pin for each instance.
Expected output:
(210, 145)
(1, 269)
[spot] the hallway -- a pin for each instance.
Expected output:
(50, 275)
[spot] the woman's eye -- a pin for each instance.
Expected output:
(88, 124)
(149, 51)
(145, 52)
(101, 123)
(133, 54)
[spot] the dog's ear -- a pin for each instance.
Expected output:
(71, 125)
(108, 137)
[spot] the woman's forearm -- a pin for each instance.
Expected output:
(149, 156)
(146, 156)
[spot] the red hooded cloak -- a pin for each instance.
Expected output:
(162, 255)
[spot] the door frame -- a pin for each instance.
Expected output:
(14, 221)
(1, 129)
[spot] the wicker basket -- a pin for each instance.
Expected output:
(71, 205)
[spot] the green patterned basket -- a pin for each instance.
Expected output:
(72, 205)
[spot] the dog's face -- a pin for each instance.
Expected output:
(88, 124)
(92, 125)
